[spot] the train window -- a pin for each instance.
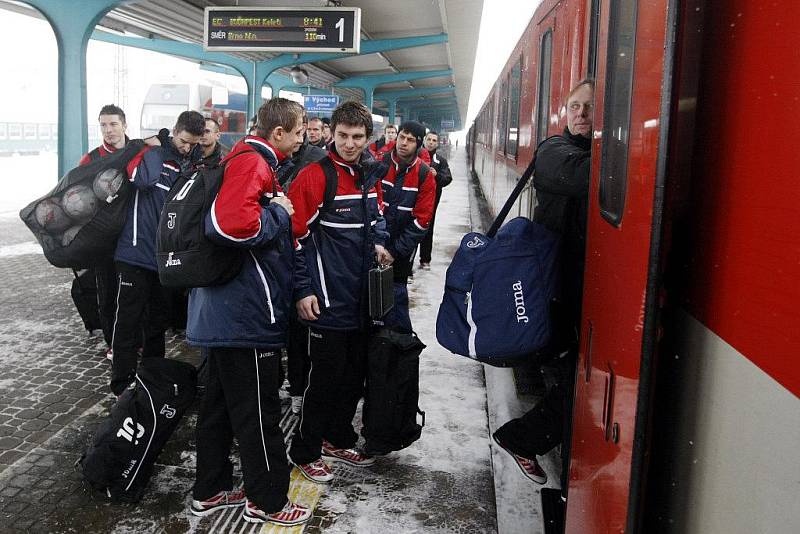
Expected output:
(543, 102)
(594, 26)
(155, 116)
(502, 117)
(29, 131)
(616, 115)
(54, 131)
(513, 110)
(3, 131)
(44, 131)
(15, 130)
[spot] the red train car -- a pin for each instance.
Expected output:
(687, 408)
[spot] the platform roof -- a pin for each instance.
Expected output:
(459, 20)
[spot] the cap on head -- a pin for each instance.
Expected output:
(415, 129)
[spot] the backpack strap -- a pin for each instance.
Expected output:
(331, 182)
(501, 216)
(423, 173)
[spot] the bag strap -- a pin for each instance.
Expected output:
(501, 216)
(331, 182)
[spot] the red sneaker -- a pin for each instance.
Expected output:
(223, 499)
(530, 467)
(316, 471)
(352, 457)
(291, 514)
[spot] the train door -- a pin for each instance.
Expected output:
(618, 323)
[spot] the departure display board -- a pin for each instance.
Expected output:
(282, 29)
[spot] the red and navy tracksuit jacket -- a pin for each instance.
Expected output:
(100, 152)
(252, 310)
(152, 173)
(332, 256)
(408, 209)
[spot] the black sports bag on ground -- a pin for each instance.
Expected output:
(78, 222)
(84, 295)
(185, 256)
(120, 459)
(391, 402)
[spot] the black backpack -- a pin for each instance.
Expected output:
(127, 443)
(392, 392)
(185, 256)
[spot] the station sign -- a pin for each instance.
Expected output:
(282, 29)
(448, 124)
(320, 103)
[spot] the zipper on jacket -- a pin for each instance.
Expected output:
(266, 288)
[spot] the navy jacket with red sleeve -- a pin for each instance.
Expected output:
(252, 310)
(335, 247)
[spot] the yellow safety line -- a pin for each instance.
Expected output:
(301, 491)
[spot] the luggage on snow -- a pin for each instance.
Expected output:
(391, 402)
(84, 295)
(78, 222)
(127, 443)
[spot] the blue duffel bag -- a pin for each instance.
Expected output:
(498, 289)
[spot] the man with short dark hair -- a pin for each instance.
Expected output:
(141, 305)
(212, 150)
(385, 143)
(242, 324)
(326, 130)
(112, 128)
(336, 246)
(409, 190)
(441, 171)
(314, 133)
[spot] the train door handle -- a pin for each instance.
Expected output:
(610, 432)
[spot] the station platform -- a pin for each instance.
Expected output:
(53, 394)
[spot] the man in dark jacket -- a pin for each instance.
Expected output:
(112, 128)
(409, 190)
(141, 306)
(561, 180)
(212, 150)
(242, 324)
(336, 246)
(314, 132)
(441, 171)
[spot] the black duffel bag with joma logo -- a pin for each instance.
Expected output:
(120, 459)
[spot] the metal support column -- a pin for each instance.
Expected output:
(73, 24)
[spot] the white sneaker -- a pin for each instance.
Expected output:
(297, 404)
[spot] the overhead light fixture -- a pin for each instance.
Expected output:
(299, 76)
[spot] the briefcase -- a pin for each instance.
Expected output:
(381, 291)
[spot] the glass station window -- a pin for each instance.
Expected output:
(617, 112)
(543, 92)
(513, 110)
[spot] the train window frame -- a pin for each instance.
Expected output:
(594, 33)
(502, 116)
(543, 85)
(514, 84)
(617, 111)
